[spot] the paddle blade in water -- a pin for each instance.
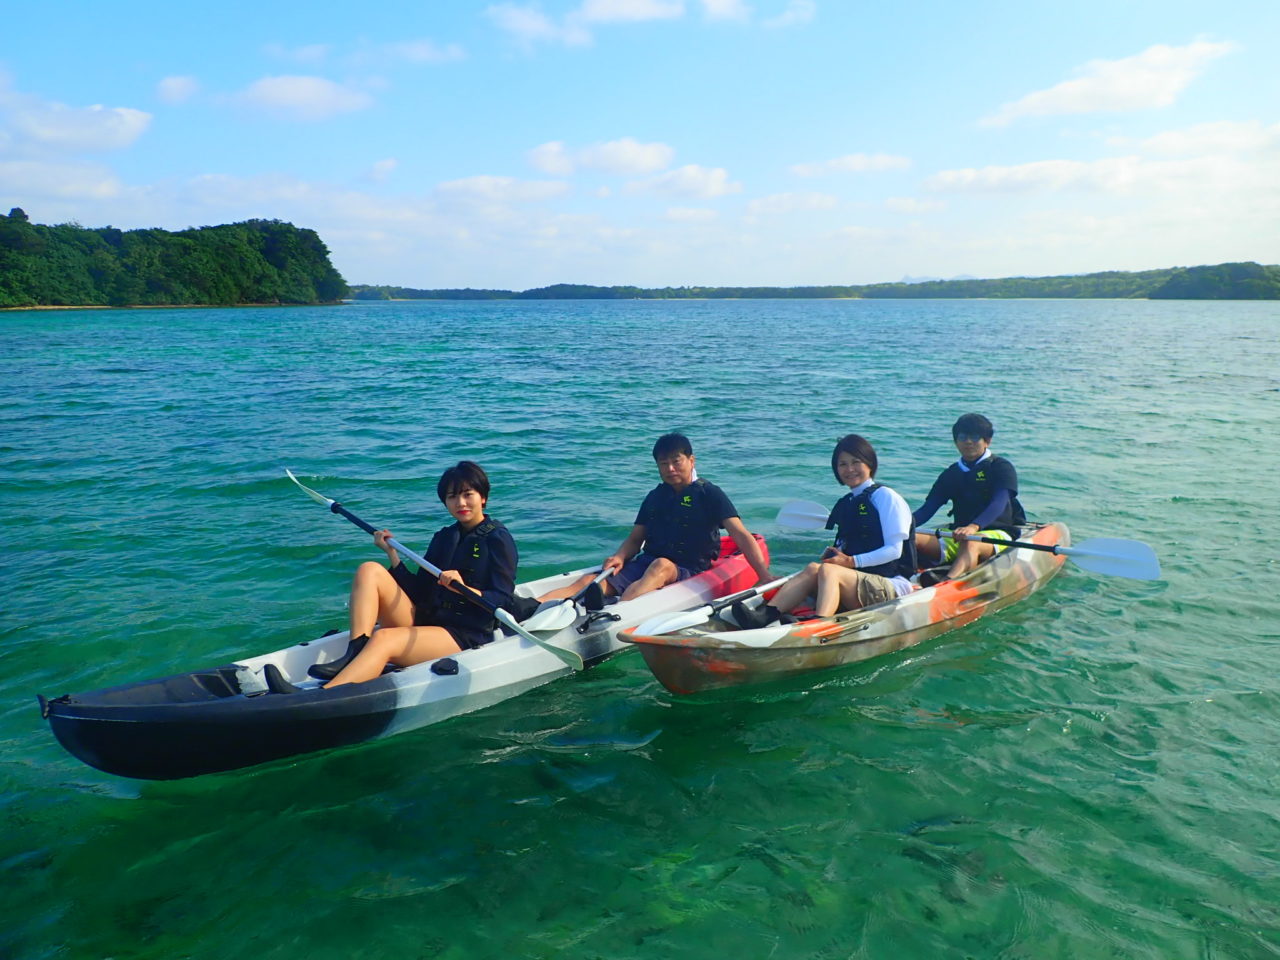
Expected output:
(1116, 558)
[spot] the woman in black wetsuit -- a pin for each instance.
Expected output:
(418, 616)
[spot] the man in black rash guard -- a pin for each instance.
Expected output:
(983, 491)
(676, 533)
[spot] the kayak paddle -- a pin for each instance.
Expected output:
(1117, 558)
(671, 622)
(503, 617)
(562, 613)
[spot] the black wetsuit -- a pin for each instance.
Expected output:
(972, 492)
(486, 558)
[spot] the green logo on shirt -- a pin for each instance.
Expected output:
(686, 500)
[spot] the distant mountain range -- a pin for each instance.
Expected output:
(1223, 281)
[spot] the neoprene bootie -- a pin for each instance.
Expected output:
(327, 671)
(276, 682)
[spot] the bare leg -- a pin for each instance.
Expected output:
(659, 574)
(377, 598)
(792, 593)
(562, 593)
(837, 590)
(928, 550)
(970, 554)
(403, 646)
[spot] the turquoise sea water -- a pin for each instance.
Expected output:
(1092, 773)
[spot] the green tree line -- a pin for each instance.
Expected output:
(257, 261)
(1225, 281)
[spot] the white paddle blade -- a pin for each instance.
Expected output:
(803, 515)
(671, 622)
(1117, 558)
(317, 497)
(552, 617)
(567, 656)
(762, 637)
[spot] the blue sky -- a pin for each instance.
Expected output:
(662, 142)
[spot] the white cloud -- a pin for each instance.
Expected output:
(853, 163)
(529, 25)
(691, 180)
(505, 190)
(691, 214)
(726, 10)
(1222, 137)
(780, 203)
(552, 158)
(1148, 80)
(1111, 174)
(425, 51)
(381, 171)
(796, 13)
(632, 11)
(177, 89)
(30, 124)
(304, 98)
(309, 53)
(624, 157)
(40, 179)
(913, 205)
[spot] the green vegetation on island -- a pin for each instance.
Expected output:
(1225, 281)
(258, 261)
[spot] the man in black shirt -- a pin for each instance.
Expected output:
(982, 489)
(677, 530)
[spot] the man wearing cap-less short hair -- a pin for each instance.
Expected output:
(983, 491)
(677, 530)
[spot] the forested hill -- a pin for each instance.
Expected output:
(1226, 281)
(258, 261)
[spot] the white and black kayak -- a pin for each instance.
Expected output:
(222, 718)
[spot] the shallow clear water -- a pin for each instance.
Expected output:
(1091, 773)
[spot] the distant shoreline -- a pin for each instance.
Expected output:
(1224, 281)
(172, 306)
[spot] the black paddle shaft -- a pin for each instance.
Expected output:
(1024, 544)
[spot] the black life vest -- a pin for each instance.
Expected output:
(972, 492)
(857, 524)
(682, 530)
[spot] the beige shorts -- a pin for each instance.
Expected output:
(873, 589)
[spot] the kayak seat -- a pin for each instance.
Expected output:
(522, 608)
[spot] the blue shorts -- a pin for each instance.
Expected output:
(635, 568)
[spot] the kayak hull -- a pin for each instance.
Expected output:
(717, 655)
(217, 719)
